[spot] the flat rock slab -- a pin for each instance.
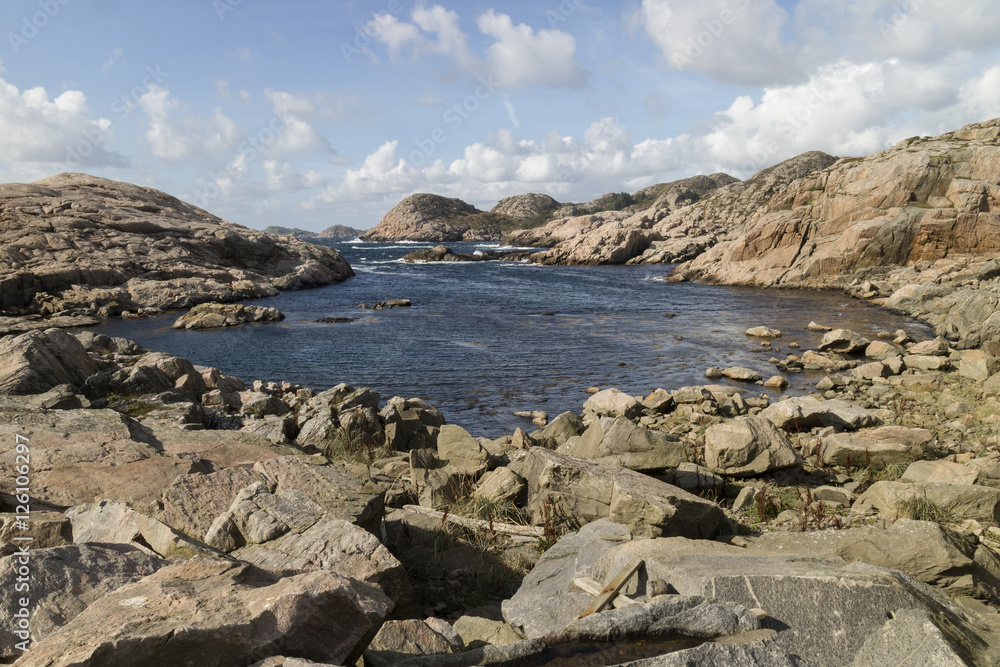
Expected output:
(822, 609)
(215, 612)
(924, 550)
(573, 492)
(877, 447)
(193, 502)
(66, 580)
(114, 523)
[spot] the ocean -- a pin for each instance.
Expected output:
(483, 340)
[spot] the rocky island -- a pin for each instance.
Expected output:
(75, 246)
(175, 514)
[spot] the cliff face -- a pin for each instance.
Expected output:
(425, 217)
(84, 244)
(919, 202)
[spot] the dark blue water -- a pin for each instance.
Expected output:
(485, 339)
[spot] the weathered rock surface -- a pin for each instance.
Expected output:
(114, 523)
(218, 315)
(523, 207)
(64, 581)
(427, 217)
(215, 612)
(574, 492)
(622, 442)
(877, 447)
(981, 503)
(35, 362)
(856, 598)
(77, 242)
(613, 403)
(748, 447)
(807, 412)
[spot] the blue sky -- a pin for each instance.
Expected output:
(308, 113)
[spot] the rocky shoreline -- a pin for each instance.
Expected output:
(157, 486)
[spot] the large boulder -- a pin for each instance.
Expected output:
(332, 486)
(748, 447)
(192, 502)
(613, 403)
(216, 612)
(806, 412)
(572, 492)
(624, 443)
(334, 544)
(411, 423)
(548, 600)
(844, 341)
(876, 448)
(64, 581)
(461, 453)
(37, 361)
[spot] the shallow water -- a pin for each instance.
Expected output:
(486, 339)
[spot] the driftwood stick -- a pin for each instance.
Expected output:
(588, 585)
(610, 591)
(502, 528)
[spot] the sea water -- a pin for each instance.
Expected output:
(483, 340)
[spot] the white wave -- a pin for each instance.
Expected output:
(479, 253)
(356, 240)
(514, 247)
(488, 246)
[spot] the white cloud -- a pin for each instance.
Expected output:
(283, 177)
(521, 57)
(116, 55)
(189, 137)
(36, 129)
(735, 41)
(298, 134)
(222, 88)
(844, 108)
(518, 56)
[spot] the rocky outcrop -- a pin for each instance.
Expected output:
(524, 207)
(340, 232)
(219, 315)
(427, 217)
(75, 243)
(922, 201)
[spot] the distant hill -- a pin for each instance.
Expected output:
(290, 231)
(340, 232)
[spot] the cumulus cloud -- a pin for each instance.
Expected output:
(283, 177)
(187, 137)
(59, 132)
(735, 41)
(518, 57)
(521, 57)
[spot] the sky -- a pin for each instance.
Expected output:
(310, 113)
